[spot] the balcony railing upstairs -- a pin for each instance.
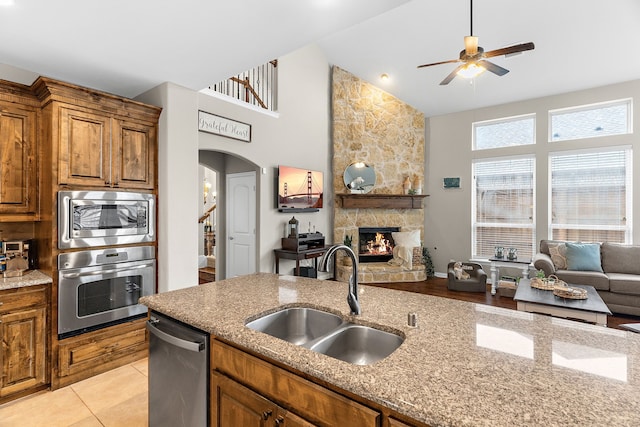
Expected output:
(257, 86)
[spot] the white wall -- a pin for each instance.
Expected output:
(448, 212)
(298, 137)
(177, 186)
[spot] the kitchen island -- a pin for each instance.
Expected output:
(464, 365)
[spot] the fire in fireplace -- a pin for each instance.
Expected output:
(375, 244)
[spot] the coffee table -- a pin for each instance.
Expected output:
(533, 300)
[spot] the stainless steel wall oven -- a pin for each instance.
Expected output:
(105, 218)
(99, 288)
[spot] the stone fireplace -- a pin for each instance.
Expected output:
(373, 127)
(375, 243)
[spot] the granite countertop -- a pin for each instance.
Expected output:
(29, 278)
(464, 365)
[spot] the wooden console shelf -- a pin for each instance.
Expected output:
(382, 201)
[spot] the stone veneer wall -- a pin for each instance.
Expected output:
(371, 126)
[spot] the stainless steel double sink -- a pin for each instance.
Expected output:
(329, 334)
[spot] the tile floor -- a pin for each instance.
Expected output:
(117, 398)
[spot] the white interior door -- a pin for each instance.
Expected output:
(241, 224)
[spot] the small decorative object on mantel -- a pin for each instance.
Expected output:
(293, 228)
(512, 254)
(406, 185)
(498, 252)
(417, 185)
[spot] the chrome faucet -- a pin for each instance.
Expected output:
(352, 296)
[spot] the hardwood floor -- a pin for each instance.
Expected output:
(438, 287)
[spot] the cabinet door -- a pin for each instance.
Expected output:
(235, 405)
(134, 155)
(18, 165)
(85, 148)
(289, 419)
(22, 356)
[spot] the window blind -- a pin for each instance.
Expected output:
(590, 196)
(503, 206)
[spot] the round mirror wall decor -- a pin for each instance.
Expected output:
(359, 178)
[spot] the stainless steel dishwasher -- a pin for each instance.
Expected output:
(178, 373)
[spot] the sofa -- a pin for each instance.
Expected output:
(612, 268)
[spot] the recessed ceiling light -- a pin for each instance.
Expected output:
(384, 77)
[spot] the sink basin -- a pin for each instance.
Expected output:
(297, 325)
(328, 334)
(357, 344)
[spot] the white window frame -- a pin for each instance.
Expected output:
(476, 125)
(474, 207)
(588, 107)
(628, 228)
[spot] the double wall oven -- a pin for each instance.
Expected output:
(100, 284)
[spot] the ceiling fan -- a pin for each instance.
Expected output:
(473, 57)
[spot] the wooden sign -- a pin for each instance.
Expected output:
(222, 126)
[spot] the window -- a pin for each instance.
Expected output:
(588, 121)
(591, 195)
(507, 132)
(503, 211)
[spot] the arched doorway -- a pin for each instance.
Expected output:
(217, 166)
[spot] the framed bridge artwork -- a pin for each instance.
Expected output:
(222, 126)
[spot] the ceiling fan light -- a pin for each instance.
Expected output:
(470, 70)
(471, 45)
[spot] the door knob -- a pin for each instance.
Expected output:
(231, 238)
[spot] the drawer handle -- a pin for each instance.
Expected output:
(266, 414)
(279, 420)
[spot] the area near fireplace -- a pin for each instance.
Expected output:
(371, 126)
(376, 243)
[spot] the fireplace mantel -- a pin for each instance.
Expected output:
(382, 201)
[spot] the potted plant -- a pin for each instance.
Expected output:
(348, 241)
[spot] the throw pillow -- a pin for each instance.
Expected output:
(583, 257)
(407, 239)
(558, 254)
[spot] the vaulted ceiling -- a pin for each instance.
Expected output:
(129, 46)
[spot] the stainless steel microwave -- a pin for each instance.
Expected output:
(105, 218)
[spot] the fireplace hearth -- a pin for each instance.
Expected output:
(375, 244)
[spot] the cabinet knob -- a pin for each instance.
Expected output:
(266, 414)
(280, 420)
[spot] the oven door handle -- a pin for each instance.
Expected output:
(99, 272)
(178, 342)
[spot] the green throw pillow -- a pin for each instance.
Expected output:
(583, 257)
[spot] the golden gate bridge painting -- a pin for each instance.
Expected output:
(299, 188)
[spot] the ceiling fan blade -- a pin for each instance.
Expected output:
(510, 49)
(438, 63)
(452, 75)
(495, 69)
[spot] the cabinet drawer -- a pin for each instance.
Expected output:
(98, 351)
(310, 401)
(16, 299)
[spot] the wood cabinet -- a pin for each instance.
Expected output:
(18, 162)
(97, 149)
(23, 332)
(306, 400)
(97, 139)
(89, 354)
(236, 405)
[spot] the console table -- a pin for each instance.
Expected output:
(504, 262)
(314, 254)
